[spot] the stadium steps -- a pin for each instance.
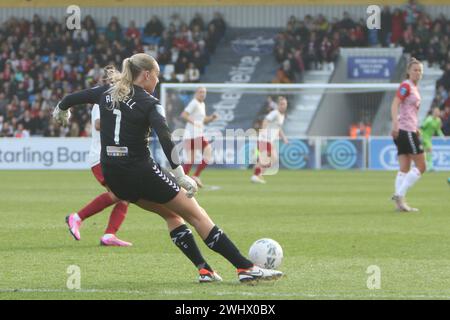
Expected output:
(305, 105)
(428, 83)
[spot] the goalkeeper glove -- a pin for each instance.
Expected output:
(61, 116)
(185, 181)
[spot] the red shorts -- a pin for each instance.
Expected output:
(265, 146)
(98, 174)
(193, 144)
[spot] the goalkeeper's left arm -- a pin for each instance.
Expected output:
(61, 113)
(91, 95)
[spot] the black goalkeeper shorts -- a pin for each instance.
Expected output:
(140, 180)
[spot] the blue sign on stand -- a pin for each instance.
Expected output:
(297, 154)
(370, 67)
(342, 154)
(318, 153)
(383, 154)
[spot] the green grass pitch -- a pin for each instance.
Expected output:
(332, 226)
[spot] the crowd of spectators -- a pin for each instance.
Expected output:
(442, 99)
(41, 61)
(313, 43)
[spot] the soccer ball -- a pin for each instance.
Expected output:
(266, 253)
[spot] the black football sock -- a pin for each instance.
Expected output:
(183, 239)
(218, 241)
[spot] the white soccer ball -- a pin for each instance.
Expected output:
(266, 253)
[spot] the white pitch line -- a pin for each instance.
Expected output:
(237, 293)
(348, 296)
(28, 290)
(211, 188)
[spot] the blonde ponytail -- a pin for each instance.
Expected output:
(122, 82)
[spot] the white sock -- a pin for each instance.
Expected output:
(107, 236)
(399, 181)
(410, 179)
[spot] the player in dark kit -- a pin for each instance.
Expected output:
(127, 113)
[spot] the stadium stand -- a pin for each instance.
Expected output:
(314, 42)
(41, 61)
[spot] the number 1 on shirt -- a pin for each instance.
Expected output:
(117, 129)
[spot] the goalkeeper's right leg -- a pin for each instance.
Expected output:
(216, 239)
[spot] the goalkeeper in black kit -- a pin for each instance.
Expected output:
(127, 113)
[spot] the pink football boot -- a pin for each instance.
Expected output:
(74, 226)
(113, 241)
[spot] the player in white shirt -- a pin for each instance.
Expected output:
(102, 201)
(271, 130)
(194, 140)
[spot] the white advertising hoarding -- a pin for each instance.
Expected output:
(311, 153)
(44, 153)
